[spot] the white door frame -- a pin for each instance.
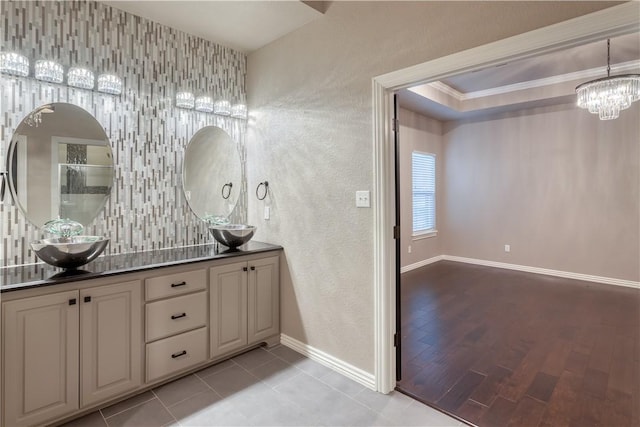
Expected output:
(610, 22)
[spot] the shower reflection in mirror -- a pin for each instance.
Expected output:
(60, 164)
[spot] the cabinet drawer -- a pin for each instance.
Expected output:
(175, 284)
(172, 316)
(175, 354)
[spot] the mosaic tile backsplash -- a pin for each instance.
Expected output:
(148, 134)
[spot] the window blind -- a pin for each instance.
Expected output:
(423, 173)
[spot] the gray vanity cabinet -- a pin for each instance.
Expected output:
(263, 299)
(244, 303)
(41, 341)
(228, 306)
(110, 340)
(175, 321)
(73, 346)
(68, 350)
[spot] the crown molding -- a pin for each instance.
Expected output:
(585, 75)
(553, 80)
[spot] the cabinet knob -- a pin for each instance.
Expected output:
(178, 354)
(253, 267)
(244, 268)
(87, 299)
(175, 285)
(177, 316)
(72, 301)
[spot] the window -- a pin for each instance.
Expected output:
(423, 173)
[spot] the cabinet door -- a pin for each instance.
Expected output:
(228, 308)
(40, 358)
(264, 299)
(111, 340)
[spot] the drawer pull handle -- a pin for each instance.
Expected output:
(177, 316)
(175, 285)
(72, 301)
(178, 354)
(87, 299)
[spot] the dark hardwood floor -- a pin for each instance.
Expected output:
(504, 348)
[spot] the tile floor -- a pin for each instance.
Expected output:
(274, 387)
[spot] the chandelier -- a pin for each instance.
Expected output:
(35, 118)
(609, 95)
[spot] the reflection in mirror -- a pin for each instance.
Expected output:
(60, 165)
(212, 174)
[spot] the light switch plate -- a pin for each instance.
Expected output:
(362, 199)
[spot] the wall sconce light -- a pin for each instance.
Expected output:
(239, 111)
(204, 104)
(14, 64)
(52, 72)
(222, 108)
(110, 83)
(49, 71)
(80, 77)
(185, 100)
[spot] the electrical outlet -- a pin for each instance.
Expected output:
(362, 199)
(507, 248)
(409, 249)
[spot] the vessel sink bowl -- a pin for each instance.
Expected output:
(232, 235)
(69, 252)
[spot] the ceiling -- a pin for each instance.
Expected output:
(539, 81)
(238, 24)
(543, 80)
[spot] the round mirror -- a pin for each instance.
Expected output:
(60, 165)
(212, 174)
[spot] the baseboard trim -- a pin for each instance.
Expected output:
(422, 263)
(340, 366)
(548, 272)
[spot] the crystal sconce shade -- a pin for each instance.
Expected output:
(204, 104)
(239, 111)
(80, 77)
(222, 108)
(109, 83)
(52, 72)
(185, 100)
(609, 95)
(14, 64)
(49, 71)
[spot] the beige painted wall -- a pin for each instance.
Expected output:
(556, 183)
(310, 136)
(419, 133)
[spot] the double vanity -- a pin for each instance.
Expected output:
(98, 330)
(82, 339)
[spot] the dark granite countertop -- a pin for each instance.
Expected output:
(34, 275)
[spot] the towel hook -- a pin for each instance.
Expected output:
(228, 187)
(266, 190)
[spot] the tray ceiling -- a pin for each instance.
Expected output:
(538, 81)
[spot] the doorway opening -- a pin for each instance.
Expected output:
(611, 22)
